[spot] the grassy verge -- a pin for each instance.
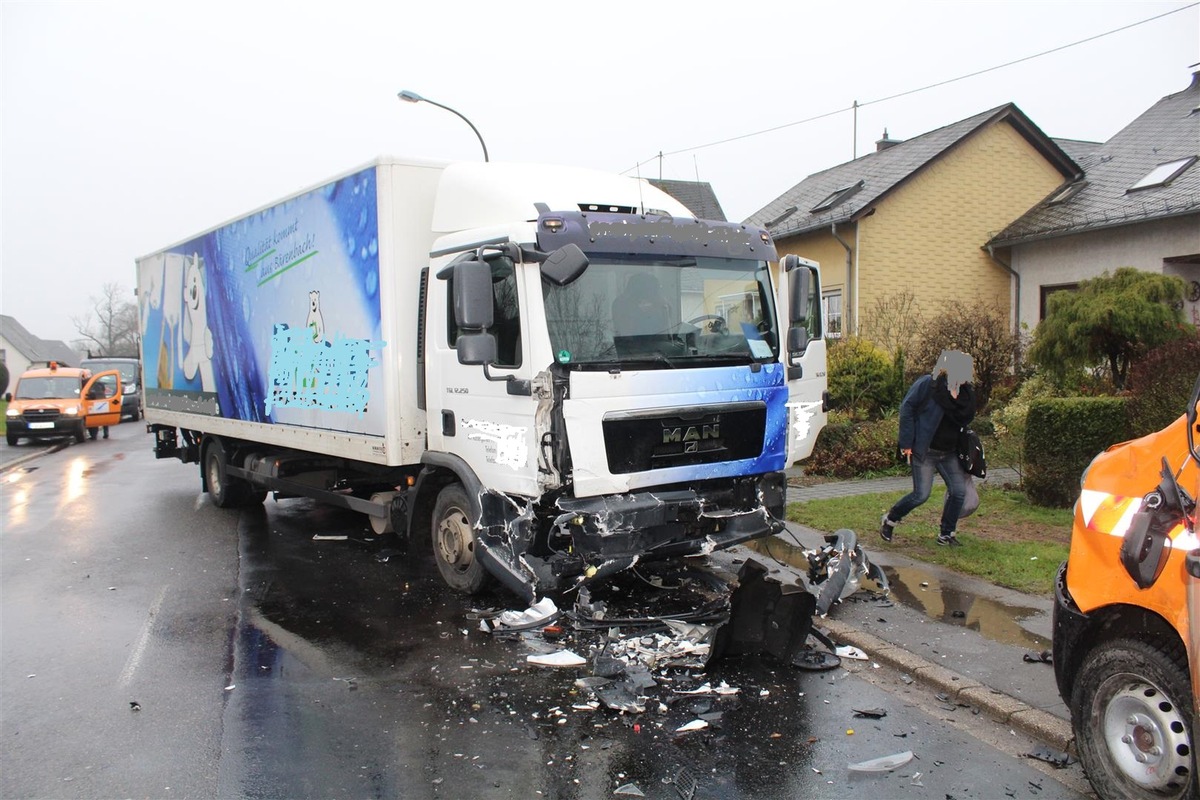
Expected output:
(1007, 541)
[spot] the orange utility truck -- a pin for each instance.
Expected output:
(1127, 615)
(54, 401)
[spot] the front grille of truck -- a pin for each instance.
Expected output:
(41, 415)
(656, 439)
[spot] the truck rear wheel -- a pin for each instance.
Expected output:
(454, 542)
(1133, 722)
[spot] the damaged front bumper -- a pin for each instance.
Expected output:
(586, 539)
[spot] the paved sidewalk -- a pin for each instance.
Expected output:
(902, 483)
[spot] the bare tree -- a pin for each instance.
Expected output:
(894, 322)
(111, 327)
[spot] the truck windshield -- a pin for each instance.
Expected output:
(663, 313)
(47, 388)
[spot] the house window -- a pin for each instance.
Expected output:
(1046, 291)
(836, 196)
(1163, 174)
(831, 307)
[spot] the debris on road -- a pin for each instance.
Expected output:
(1056, 758)
(883, 763)
(1042, 657)
(840, 565)
(870, 713)
(629, 790)
(559, 658)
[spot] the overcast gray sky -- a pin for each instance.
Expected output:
(128, 126)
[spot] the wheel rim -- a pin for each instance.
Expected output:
(455, 541)
(1146, 736)
(214, 474)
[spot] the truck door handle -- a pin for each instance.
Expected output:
(448, 423)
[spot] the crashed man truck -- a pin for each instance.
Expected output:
(552, 373)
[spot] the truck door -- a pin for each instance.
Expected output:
(484, 414)
(804, 355)
(102, 399)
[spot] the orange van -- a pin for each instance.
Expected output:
(54, 401)
(1127, 615)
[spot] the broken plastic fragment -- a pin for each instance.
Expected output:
(883, 763)
(870, 713)
(1042, 657)
(629, 790)
(618, 697)
(815, 660)
(1057, 758)
(539, 613)
(694, 725)
(560, 658)
(847, 651)
(319, 537)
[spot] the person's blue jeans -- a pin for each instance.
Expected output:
(946, 464)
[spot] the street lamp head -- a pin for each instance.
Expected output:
(413, 97)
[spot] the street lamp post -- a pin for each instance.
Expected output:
(413, 97)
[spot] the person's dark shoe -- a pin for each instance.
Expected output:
(948, 540)
(886, 528)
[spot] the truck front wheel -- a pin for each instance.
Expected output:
(1133, 722)
(225, 490)
(454, 542)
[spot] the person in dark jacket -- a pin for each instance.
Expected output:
(936, 407)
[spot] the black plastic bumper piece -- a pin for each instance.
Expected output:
(1070, 628)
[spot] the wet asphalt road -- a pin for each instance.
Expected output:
(268, 664)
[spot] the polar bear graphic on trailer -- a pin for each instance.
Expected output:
(195, 338)
(316, 321)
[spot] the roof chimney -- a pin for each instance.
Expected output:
(886, 142)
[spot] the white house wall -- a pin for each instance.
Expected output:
(1068, 259)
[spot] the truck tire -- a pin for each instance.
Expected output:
(1131, 709)
(454, 542)
(225, 490)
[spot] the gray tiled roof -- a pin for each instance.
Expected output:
(882, 171)
(1168, 131)
(698, 197)
(36, 349)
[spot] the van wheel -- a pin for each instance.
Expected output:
(226, 491)
(80, 433)
(11, 438)
(1131, 709)
(454, 545)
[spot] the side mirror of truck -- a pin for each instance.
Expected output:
(800, 286)
(564, 265)
(473, 305)
(476, 348)
(800, 279)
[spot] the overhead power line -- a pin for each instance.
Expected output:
(878, 100)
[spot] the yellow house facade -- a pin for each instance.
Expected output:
(915, 217)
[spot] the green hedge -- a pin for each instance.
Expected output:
(847, 449)
(1062, 436)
